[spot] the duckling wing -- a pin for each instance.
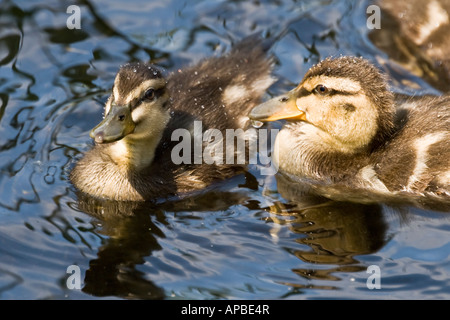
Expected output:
(417, 159)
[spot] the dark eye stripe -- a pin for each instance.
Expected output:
(303, 93)
(343, 93)
(159, 92)
(331, 92)
(137, 101)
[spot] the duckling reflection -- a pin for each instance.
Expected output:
(334, 231)
(415, 35)
(131, 236)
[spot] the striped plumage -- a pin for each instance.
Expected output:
(348, 130)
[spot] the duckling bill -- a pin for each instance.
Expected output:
(346, 128)
(116, 125)
(131, 159)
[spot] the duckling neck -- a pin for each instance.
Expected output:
(305, 153)
(136, 151)
(133, 155)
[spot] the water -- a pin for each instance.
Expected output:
(242, 240)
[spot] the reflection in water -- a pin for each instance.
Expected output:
(130, 238)
(330, 235)
(334, 232)
(132, 235)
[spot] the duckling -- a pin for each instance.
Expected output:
(132, 156)
(345, 128)
(415, 35)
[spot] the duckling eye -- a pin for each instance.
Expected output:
(149, 94)
(321, 89)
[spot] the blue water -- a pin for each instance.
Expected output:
(244, 240)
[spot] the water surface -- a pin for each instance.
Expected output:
(243, 240)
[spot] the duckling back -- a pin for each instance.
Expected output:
(417, 158)
(220, 91)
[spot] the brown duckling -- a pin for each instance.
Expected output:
(132, 156)
(415, 34)
(345, 129)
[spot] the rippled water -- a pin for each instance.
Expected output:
(243, 240)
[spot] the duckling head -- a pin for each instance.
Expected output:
(343, 104)
(136, 114)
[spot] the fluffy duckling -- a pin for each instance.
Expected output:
(346, 129)
(132, 157)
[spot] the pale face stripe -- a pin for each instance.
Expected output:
(116, 88)
(336, 83)
(138, 91)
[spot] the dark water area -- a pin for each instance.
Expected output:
(246, 238)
